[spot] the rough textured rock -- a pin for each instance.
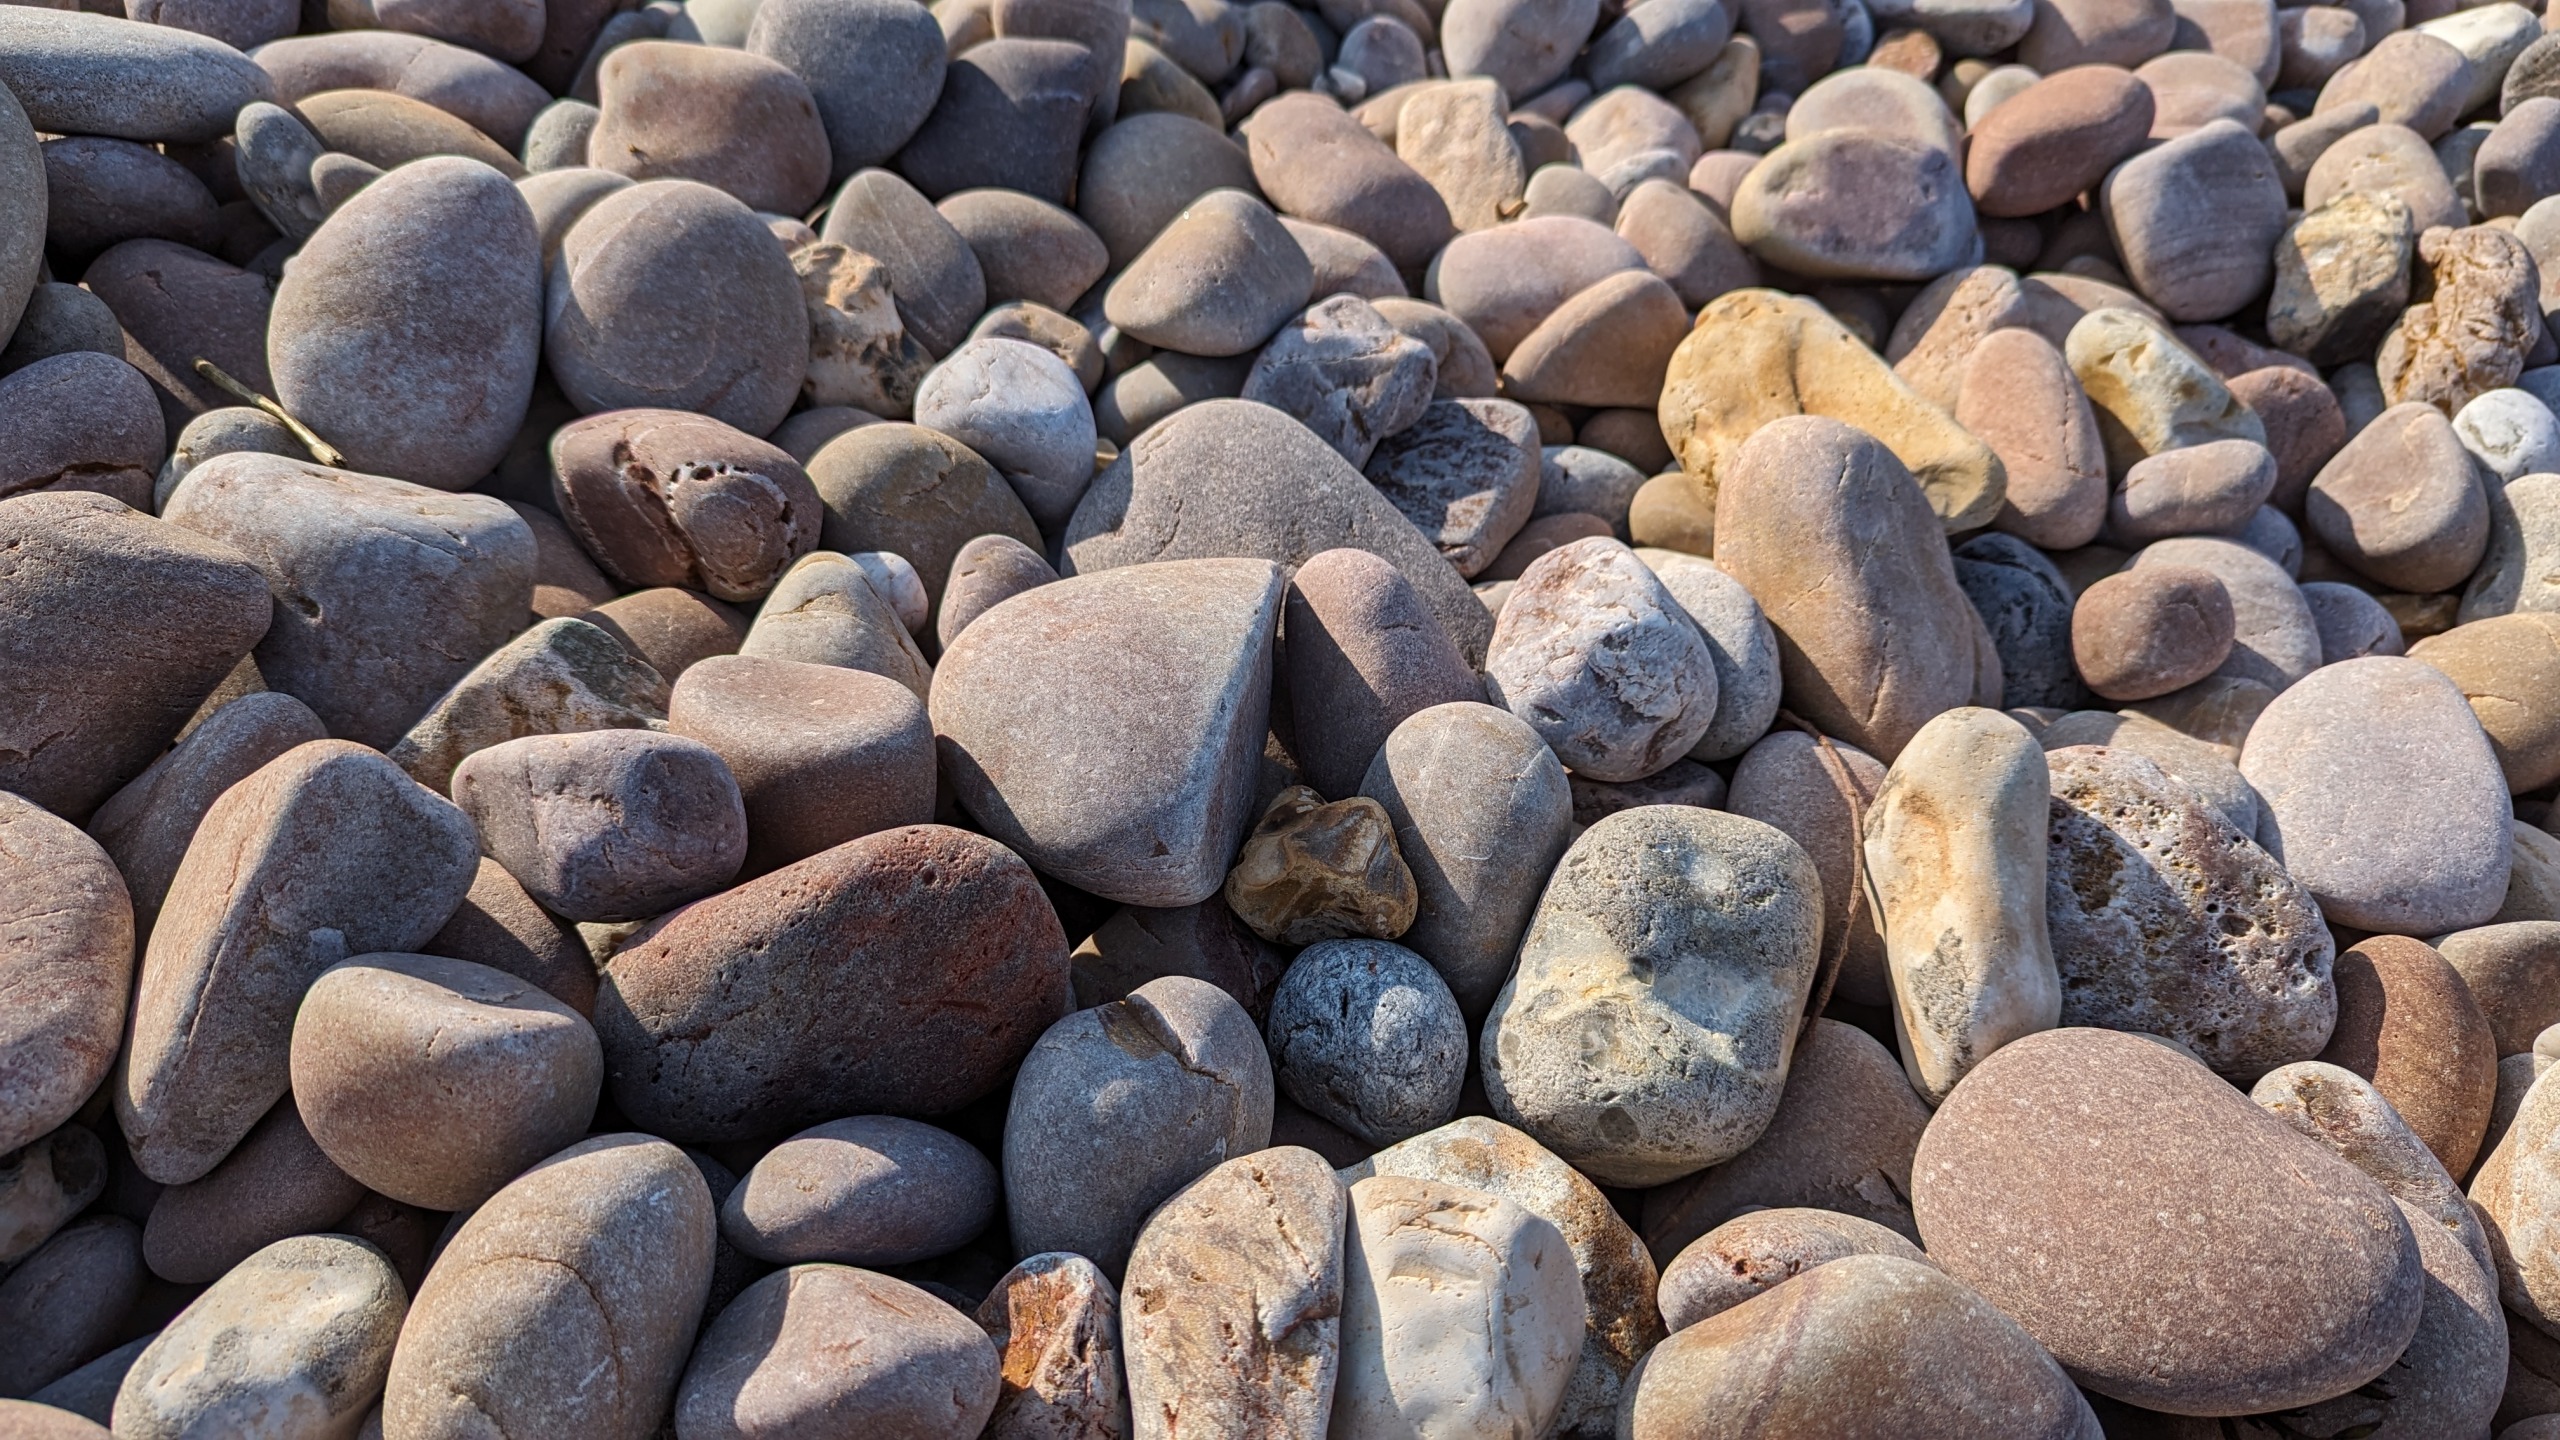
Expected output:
(2167, 920)
(1055, 1321)
(326, 851)
(707, 1025)
(1957, 865)
(561, 677)
(1313, 870)
(1467, 473)
(1597, 657)
(1081, 688)
(1366, 1035)
(662, 497)
(1688, 938)
(1231, 1317)
(566, 1302)
(304, 1328)
(1342, 371)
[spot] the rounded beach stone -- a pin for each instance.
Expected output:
(80, 422)
(1867, 1345)
(606, 825)
(500, 926)
(1367, 1035)
(566, 1302)
(2408, 1023)
(2512, 1192)
(832, 1348)
(60, 319)
(2149, 391)
(384, 130)
(305, 1328)
(86, 74)
(874, 67)
(1915, 222)
(1027, 248)
(826, 610)
(1489, 1346)
(117, 627)
(2343, 1112)
(1020, 407)
(792, 999)
(670, 628)
(2511, 432)
(1010, 113)
(490, 95)
(986, 572)
(1466, 472)
(1503, 282)
(1055, 1321)
(2141, 633)
(2524, 528)
(325, 851)
(101, 191)
(1318, 163)
(918, 493)
(2508, 666)
(1702, 928)
(2019, 396)
(560, 676)
(1961, 906)
(37, 1420)
(869, 1190)
(70, 957)
(821, 754)
(1559, 648)
(2382, 796)
(1364, 654)
(1607, 346)
(437, 1081)
(1119, 1106)
(663, 497)
(1749, 1255)
(2196, 220)
(2055, 139)
(1232, 1309)
(2352, 623)
(1812, 513)
(408, 329)
(1342, 371)
(2275, 642)
(673, 293)
(1788, 780)
(2066, 33)
(1481, 811)
(45, 1184)
(730, 118)
(1526, 46)
(1217, 279)
(146, 826)
(1142, 172)
(2166, 920)
(277, 1184)
(2402, 503)
(66, 1302)
(2071, 1252)
(1740, 642)
(2208, 489)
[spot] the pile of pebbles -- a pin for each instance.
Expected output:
(1178, 719)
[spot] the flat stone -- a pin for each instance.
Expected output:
(84, 74)
(2166, 920)
(2071, 1252)
(1913, 222)
(713, 1048)
(870, 1190)
(2382, 797)
(2215, 488)
(115, 627)
(1232, 1311)
(593, 1264)
(1709, 949)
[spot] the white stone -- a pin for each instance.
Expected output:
(2511, 433)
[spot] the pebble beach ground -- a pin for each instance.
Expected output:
(1190, 720)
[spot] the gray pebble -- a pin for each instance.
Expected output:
(1366, 1034)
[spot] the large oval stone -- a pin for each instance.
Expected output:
(1647, 1030)
(2194, 1256)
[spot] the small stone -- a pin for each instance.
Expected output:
(2275, 642)
(2341, 277)
(1028, 249)
(1025, 412)
(1312, 870)
(1316, 162)
(2352, 623)
(2143, 633)
(1713, 899)
(2026, 607)
(872, 1190)
(1501, 283)
(791, 999)
(2408, 1023)
(2512, 1193)
(834, 1348)
(1217, 280)
(1606, 346)
(1463, 471)
(560, 677)
(1914, 222)
(2402, 503)
(1142, 172)
(500, 926)
(2149, 391)
(825, 611)
(1055, 1321)
(1363, 655)
(305, 1325)
(2511, 432)
(1342, 371)
(65, 1303)
(670, 628)
(918, 493)
(71, 959)
(1010, 114)
(2208, 489)
(2473, 334)
(44, 1184)
(1367, 1035)
(1454, 135)
(2020, 398)
(1749, 1255)
(2055, 139)
(1592, 652)
(538, 1290)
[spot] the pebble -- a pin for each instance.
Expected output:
(86, 74)
(2473, 334)
(561, 677)
(869, 1190)
(2275, 641)
(724, 1050)
(873, 68)
(1752, 1254)
(2382, 797)
(2402, 503)
(72, 956)
(1792, 210)
(1342, 371)
(1719, 993)
(2511, 432)
(825, 611)
(45, 1184)
(501, 926)
(821, 754)
(2342, 1111)
(2506, 967)
(1366, 1035)
(833, 1347)
(1594, 653)
(2138, 634)
(304, 1327)
(2398, 1000)
(1218, 279)
(2210, 489)
(1312, 871)
(729, 118)
(1364, 654)
(1055, 1322)
(65, 1302)
(1010, 114)
(2150, 392)
(2128, 1318)
(1021, 409)
(1317, 163)
(606, 825)
(2026, 607)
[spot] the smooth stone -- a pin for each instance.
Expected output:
(1740, 643)
(276, 1185)
(1805, 786)
(487, 94)
(1027, 248)
(561, 677)
(1867, 1345)
(1020, 408)
(1364, 654)
(2139, 634)
(606, 825)
(2512, 1194)
(117, 627)
(1757, 356)
(2128, 1318)
(177, 304)
(2407, 1022)
(790, 999)
(1055, 1322)
(986, 572)
(84, 74)
(1488, 1346)
(567, 1302)
(671, 293)
(2342, 1111)
(2055, 138)
(102, 191)
(2352, 623)
(303, 1329)
(1580, 617)
(1503, 282)
(1810, 506)
(61, 319)
(2275, 643)
(1218, 279)
(826, 611)
(821, 754)
(2511, 432)
(558, 135)
(1915, 222)
(2209, 489)
(2505, 666)
(1523, 46)
(1188, 750)
(1608, 346)
(670, 628)
(2018, 395)
(385, 130)
(2524, 530)
(2168, 920)
(1232, 478)
(1456, 136)
(1710, 949)
(725, 117)
(2507, 966)
(918, 493)
(1594, 480)
(1232, 1313)
(1619, 124)
(70, 958)
(1465, 472)
(871, 1190)
(1961, 906)
(2382, 797)
(45, 1183)
(1366, 1035)
(24, 203)
(1752, 1254)
(1344, 263)
(65, 1303)
(1484, 1155)
(1010, 114)
(81, 421)
(502, 927)
(1872, 97)
(1142, 172)
(1316, 162)
(833, 1348)
(874, 68)
(328, 850)
(1204, 941)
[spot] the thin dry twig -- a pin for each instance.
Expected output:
(321, 450)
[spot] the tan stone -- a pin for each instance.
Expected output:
(2472, 335)
(2150, 391)
(1055, 1321)
(860, 353)
(1315, 871)
(1454, 134)
(1759, 355)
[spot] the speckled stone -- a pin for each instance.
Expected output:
(1466, 472)
(304, 1327)
(2027, 608)
(1366, 1035)
(70, 957)
(606, 825)
(1593, 652)
(2407, 1021)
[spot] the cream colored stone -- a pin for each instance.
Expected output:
(2150, 391)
